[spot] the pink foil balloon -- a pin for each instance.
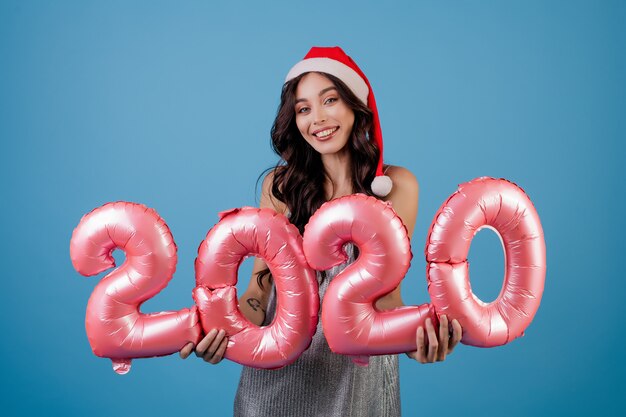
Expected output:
(115, 327)
(352, 324)
(262, 232)
(504, 207)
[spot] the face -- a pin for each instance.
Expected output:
(323, 118)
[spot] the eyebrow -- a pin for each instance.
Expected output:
(324, 91)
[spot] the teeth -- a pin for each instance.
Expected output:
(325, 133)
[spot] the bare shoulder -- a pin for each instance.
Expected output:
(268, 200)
(404, 182)
(404, 195)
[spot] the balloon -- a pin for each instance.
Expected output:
(505, 208)
(262, 232)
(351, 322)
(115, 327)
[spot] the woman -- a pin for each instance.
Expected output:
(328, 136)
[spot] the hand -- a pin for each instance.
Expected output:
(211, 348)
(432, 348)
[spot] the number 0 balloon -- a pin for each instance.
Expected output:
(263, 232)
(504, 207)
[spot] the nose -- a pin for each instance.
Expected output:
(319, 115)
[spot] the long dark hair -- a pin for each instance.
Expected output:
(299, 175)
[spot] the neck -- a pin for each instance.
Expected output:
(339, 174)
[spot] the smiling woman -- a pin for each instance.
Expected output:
(328, 136)
(324, 119)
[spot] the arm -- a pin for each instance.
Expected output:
(253, 302)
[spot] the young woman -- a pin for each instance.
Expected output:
(328, 136)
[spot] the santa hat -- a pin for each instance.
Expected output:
(334, 61)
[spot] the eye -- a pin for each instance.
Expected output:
(330, 100)
(302, 110)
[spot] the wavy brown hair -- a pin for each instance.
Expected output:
(299, 175)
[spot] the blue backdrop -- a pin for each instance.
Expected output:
(170, 105)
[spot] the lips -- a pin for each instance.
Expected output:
(325, 133)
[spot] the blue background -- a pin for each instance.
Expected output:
(170, 105)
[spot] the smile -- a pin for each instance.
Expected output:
(326, 133)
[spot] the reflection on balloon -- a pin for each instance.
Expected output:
(115, 327)
(504, 207)
(262, 232)
(352, 324)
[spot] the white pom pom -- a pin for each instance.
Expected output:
(381, 186)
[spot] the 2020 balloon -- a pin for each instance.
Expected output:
(352, 325)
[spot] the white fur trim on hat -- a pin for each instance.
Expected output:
(330, 66)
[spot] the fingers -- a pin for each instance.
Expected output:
(427, 344)
(444, 335)
(432, 347)
(420, 354)
(457, 334)
(219, 353)
(433, 343)
(212, 347)
(186, 350)
(205, 343)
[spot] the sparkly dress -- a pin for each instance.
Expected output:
(320, 382)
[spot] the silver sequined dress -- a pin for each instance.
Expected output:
(320, 382)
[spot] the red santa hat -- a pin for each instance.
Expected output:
(334, 61)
